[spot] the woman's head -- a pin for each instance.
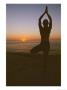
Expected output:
(45, 23)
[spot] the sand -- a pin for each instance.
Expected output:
(24, 69)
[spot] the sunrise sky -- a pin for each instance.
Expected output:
(22, 21)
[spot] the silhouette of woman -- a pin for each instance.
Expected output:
(44, 32)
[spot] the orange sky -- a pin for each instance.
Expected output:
(22, 21)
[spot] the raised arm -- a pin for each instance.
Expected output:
(50, 20)
(46, 11)
(41, 16)
(40, 20)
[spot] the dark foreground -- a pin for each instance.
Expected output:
(24, 69)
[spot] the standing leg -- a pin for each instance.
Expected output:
(46, 48)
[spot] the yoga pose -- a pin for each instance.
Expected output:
(45, 30)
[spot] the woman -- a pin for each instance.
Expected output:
(45, 33)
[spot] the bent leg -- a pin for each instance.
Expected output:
(36, 49)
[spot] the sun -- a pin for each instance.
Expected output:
(23, 39)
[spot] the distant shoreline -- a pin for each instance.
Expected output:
(40, 53)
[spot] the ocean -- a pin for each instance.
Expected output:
(19, 46)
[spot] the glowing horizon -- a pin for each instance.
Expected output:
(53, 36)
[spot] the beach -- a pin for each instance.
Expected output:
(25, 69)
